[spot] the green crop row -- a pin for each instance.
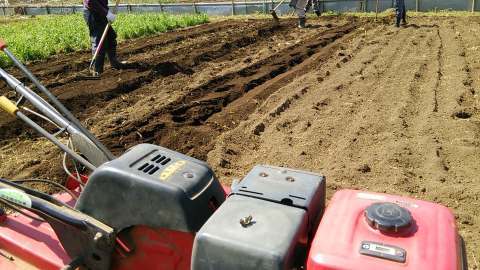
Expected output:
(44, 36)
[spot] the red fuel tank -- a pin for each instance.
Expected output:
(363, 230)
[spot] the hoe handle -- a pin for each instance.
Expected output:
(279, 4)
(100, 45)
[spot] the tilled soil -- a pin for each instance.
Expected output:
(370, 106)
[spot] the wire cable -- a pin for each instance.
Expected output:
(74, 162)
(47, 182)
(65, 168)
(41, 116)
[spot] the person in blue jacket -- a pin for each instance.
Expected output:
(97, 15)
(401, 12)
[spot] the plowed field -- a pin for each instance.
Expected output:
(370, 106)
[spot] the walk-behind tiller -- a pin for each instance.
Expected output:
(153, 208)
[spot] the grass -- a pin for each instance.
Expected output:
(44, 36)
(139, 25)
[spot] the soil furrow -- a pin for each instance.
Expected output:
(64, 65)
(209, 99)
(439, 71)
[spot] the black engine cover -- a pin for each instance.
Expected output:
(152, 186)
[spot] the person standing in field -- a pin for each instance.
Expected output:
(316, 7)
(300, 8)
(97, 15)
(401, 12)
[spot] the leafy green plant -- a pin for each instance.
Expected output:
(44, 36)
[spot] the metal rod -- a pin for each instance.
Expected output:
(281, 2)
(35, 99)
(84, 144)
(473, 6)
(376, 11)
(59, 105)
(54, 140)
(42, 204)
(100, 45)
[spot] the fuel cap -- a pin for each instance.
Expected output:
(388, 217)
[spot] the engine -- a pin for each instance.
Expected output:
(157, 199)
(266, 222)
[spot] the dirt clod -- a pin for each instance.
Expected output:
(463, 115)
(365, 168)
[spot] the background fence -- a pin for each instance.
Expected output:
(236, 7)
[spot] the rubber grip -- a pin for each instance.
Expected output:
(3, 44)
(8, 106)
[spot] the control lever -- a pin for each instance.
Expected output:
(86, 240)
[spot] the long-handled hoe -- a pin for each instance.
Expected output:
(99, 47)
(274, 12)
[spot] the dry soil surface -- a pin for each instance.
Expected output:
(369, 106)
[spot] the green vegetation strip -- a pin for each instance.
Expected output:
(44, 36)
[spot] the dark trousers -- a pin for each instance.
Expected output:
(96, 27)
(316, 6)
(400, 11)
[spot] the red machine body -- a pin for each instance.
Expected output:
(29, 244)
(347, 239)
(430, 242)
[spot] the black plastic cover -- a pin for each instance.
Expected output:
(388, 217)
(152, 186)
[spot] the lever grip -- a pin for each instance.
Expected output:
(3, 45)
(8, 106)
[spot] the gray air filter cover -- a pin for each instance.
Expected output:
(152, 186)
(264, 222)
(267, 242)
(291, 187)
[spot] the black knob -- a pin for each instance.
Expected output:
(388, 217)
